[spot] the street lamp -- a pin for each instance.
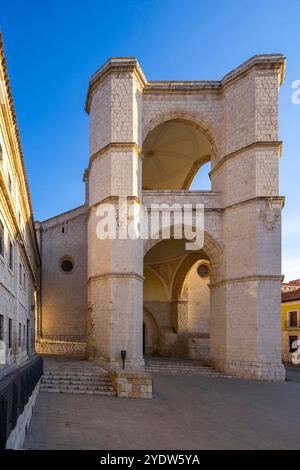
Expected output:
(123, 357)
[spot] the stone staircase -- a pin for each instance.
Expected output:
(76, 377)
(170, 366)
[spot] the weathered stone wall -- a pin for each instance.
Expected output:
(64, 294)
(199, 349)
(115, 267)
(135, 384)
(198, 296)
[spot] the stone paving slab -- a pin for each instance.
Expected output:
(186, 413)
(61, 365)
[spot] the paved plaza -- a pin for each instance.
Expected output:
(187, 412)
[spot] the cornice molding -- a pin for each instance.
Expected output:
(117, 147)
(256, 277)
(258, 145)
(62, 219)
(259, 61)
(131, 65)
(183, 87)
(114, 200)
(270, 199)
(113, 275)
(115, 65)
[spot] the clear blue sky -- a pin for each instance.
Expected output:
(53, 47)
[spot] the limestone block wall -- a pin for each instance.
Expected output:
(199, 349)
(209, 199)
(131, 384)
(114, 266)
(64, 294)
(198, 295)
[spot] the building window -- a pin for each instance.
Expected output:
(27, 336)
(24, 281)
(20, 274)
(24, 335)
(293, 318)
(1, 328)
(9, 332)
(292, 346)
(66, 265)
(11, 256)
(20, 334)
(203, 271)
(1, 239)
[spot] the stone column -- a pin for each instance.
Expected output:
(115, 267)
(245, 304)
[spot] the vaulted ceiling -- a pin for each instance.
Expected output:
(173, 153)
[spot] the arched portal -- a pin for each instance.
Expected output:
(173, 153)
(177, 296)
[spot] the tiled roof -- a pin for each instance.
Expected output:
(289, 296)
(295, 282)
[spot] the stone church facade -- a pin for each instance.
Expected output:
(148, 139)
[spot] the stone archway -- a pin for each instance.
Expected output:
(151, 333)
(176, 319)
(174, 149)
(192, 307)
(212, 249)
(204, 125)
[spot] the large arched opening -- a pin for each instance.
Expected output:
(177, 301)
(177, 156)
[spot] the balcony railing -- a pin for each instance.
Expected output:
(15, 391)
(292, 326)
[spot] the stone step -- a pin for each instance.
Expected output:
(181, 368)
(178, 369)
(202, 374)
(77, 391)
(74, 374)
(182, 362)
(161, 366)
(167, 366)
(76, 387)
(77, 380)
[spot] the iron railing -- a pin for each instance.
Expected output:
(291, 325)
(15, 391)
